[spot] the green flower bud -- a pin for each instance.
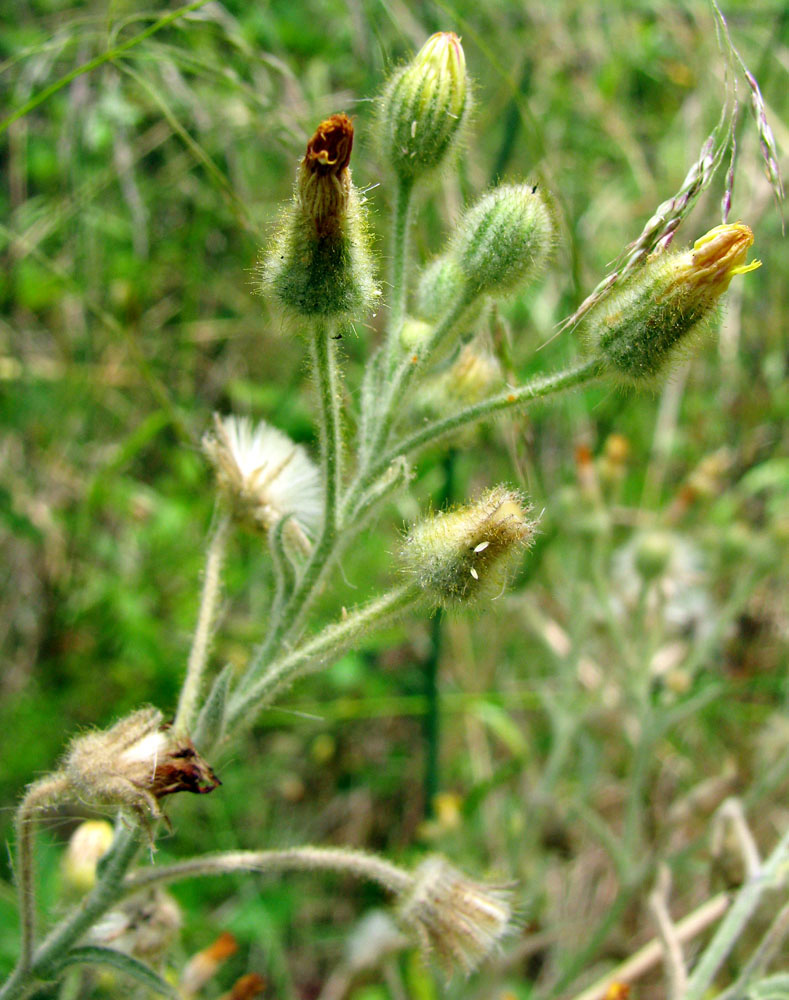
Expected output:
(466, 554)
(638, 329)
(440, 285)
(319, 265)
(425, 107)
(504, 240)
(653, 553)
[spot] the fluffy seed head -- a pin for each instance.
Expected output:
(504, 240)
(425, 107)
(463, 555)
(640, 328)
(264, 476)
(458, 920)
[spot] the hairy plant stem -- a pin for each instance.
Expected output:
(198, 655)
(537, 388)
(23, 980)
(357, 863)
(39, 795)
(333, 641)
(323, 350)
(400, 222)
(402, 375)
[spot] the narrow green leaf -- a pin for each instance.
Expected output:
(125, 964)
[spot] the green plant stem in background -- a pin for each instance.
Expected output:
(432, 720)
(97, 61)
(397, 300)
(332, 642)
(198, 655)
(349, 862)
(769, 876)
(39, 795)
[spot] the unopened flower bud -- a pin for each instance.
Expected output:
(440, 285)
(465, 554)
(503, 241)
(134, 764)
(86, 847)
(472, 376)
(455, 918)
(653, 553)
(319, 265)
(639, 328)
(263, 476)
(425, 107)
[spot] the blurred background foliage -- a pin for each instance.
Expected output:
(592, 719)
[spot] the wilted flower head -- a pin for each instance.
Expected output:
(319, 263)
(455, 918)
(145, 926)
(464, 554)
(263, 475)
(135, 763)
(324, 182)
(639, 328)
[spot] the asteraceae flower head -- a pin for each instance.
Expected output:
(264, 476)
(638, 329)
(425, 107)
(87, 845)
(319, 265)
(134, 764)
(462, 555)
(458, 920)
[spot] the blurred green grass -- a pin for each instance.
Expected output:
(135, 200)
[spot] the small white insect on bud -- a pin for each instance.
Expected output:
(462, 555)
(263, 476)
(458, 920)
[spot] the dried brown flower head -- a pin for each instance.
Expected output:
(324, 183)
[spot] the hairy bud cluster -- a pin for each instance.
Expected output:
(319, 265)
(504, 240)
(639, 328)
(457, 919)
(134, 764)
(465, 554)
(425, 107)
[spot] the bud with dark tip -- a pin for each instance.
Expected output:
(319, 265)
